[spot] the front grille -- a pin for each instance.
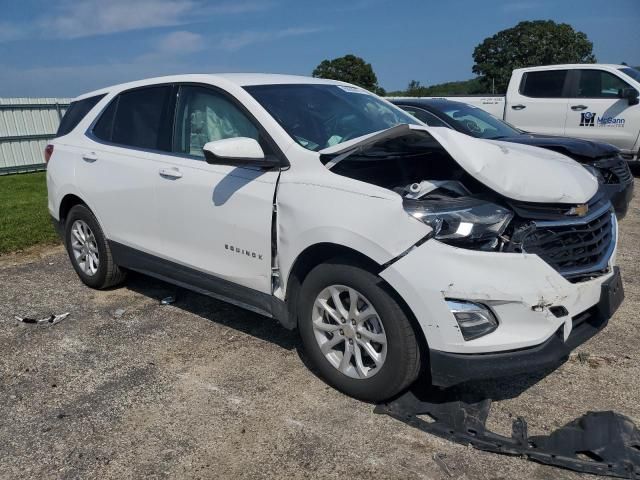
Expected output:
(576, 247)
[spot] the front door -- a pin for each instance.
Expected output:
(215, 218)
(596, 112)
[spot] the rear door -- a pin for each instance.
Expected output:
(118, 173)
(216, 218)
(596, 112)
(539, 105)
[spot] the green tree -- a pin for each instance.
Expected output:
(539, 42)
(349, 69)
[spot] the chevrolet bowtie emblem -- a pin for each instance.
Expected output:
(579, 210)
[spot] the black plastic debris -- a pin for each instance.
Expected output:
(50, 320)
(602, 443)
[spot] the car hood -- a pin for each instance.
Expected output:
(576, 148)
(519, 172)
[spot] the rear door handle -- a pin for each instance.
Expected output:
(579, 107)
(90, 157)
(170, 173)
(518, 107)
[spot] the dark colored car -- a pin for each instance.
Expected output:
(610, 168)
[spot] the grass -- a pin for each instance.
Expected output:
(24, 218)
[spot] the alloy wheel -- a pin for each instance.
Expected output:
(349, 331)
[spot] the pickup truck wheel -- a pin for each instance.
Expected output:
(355, 334)
(89, 250)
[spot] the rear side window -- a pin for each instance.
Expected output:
(599, 84)
(546, 84)
(139, 118)
(75, 113)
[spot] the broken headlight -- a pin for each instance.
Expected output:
(465, 222)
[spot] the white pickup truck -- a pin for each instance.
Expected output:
(591, 101)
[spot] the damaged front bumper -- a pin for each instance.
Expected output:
(520, 289)
(453, 368)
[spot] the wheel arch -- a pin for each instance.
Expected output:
(69, 201)
(322, 252)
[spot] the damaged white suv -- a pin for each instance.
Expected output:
(393, 247)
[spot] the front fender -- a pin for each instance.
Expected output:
(377, 227)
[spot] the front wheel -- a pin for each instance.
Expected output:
(355, 334)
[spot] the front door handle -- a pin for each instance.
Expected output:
(170, 173)
(518, 107)
(579, 107)
(90, 157)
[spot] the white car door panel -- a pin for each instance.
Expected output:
(595, 111)
(215, 218)
(122, 189)
(538, 105)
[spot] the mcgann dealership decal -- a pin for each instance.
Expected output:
(591, 119)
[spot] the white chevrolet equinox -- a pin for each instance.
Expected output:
(394, 248)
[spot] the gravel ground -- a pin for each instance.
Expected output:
(126, 387)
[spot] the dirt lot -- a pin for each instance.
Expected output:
(125, 387)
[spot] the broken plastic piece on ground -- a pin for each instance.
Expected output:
(119, 312)
(601, 443)
(50, 320)
(168, 300)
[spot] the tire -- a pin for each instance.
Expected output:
(106, 273)
(401, 359)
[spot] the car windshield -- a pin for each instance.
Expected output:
(631, 72)
(318, 116)
(476, 122)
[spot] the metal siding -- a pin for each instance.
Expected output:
(28, 117)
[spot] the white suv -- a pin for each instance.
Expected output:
(393, 247)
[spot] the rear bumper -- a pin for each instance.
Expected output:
(452, 368)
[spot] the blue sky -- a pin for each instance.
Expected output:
(67, 47)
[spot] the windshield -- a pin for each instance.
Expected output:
(320, 116)
(476, 122)
(631, 72)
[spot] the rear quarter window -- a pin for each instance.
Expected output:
(75, 113)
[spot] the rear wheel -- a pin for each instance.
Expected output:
(355, 334)
(89, 250)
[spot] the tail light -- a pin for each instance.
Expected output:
(48, 151)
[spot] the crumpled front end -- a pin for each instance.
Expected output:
(533, 303)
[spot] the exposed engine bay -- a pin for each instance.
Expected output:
(576, 240)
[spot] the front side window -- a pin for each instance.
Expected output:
(544, 84)
(318, 116)
(599, 84)
(204, 115)
(138, 118)
(424, 116)
(75, 113)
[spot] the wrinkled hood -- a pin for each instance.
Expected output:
(578, 149)
(519, 172)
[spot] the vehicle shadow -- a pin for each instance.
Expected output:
(270, 330)
(217, 311)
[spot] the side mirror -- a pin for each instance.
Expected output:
(239, 152)
(631, 94)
